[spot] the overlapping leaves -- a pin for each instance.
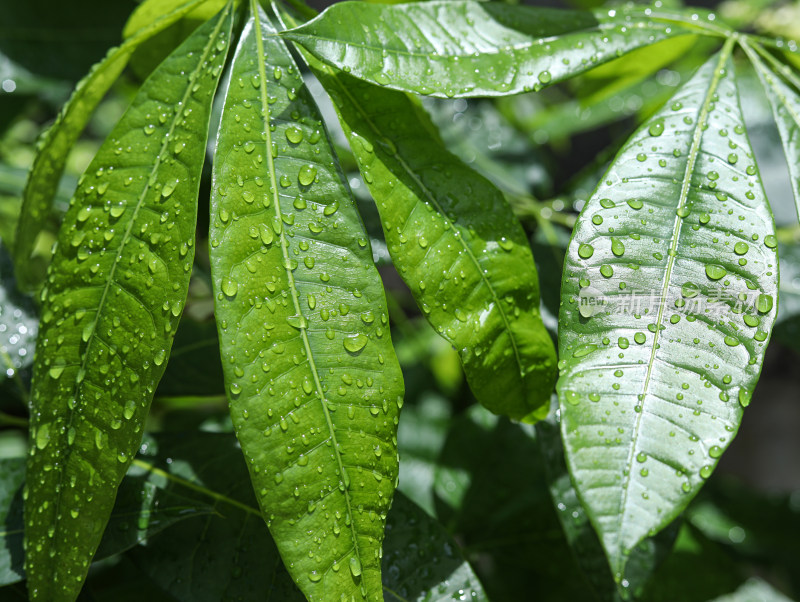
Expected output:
(114, 292)
(465, 48)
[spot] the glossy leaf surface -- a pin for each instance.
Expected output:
(668, 301)
(56, 143)
(785, 103)
(111, 303)
(457, 245)
(313, 381)
(465, 48)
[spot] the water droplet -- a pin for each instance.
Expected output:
(355, 566)
(294, 134)
(764, 304)
(640, 338)
(740, 248)
(584, 350)
(230, 287)
(657, 128)
(307, 174)
(771, 241)
(617, 247)
(715, 272)
(585, 251)
(606, 270)
(545, 77)
(355, 342)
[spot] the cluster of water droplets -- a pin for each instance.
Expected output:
(313, 383)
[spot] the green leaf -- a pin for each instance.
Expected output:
(111, 303)
(465, 48)
(456, 243)
(579, 533)
(12, 475)
(313, 381)
(142, 510)
(697, 570)
(153, 50)
(232, 555)
(785, 103)
(58, 140)
(422, 562)
(232, 547)
(670, 282)
(489, 462)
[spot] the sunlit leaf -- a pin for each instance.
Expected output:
(785, 103)
(111, 303)
(668, 300)
(312, 377)
(456, 244)
(465, 48)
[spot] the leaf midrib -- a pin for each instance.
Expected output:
(254, 7)
(125, 239)
(694, 151)
(435, 56)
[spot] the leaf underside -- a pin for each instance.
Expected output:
(111, 303)
(463, 48)
(457, 245)
(312, 378)
(652, 394)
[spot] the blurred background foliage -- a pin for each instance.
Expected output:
(497, 488)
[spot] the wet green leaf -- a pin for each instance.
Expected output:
(232, 554)
(111, 303)
(668, 300)
(144, 507)
(311, 374)
(56, 143)
(456, 243)
(464, 48)
(581, 537)
(785, 103)
(12, 475)
(422, 562)
(153, 50)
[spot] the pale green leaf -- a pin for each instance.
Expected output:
(785, 103)
(456, 243)
(56, 143)
(668, 300)
(312, 377)
(111, 303)
(466, 48)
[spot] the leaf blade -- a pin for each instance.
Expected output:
(677, 409)
(452, 237)
(320, 302)
(110, 353)
(785, 104)
(464, 48)
(56, 142)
